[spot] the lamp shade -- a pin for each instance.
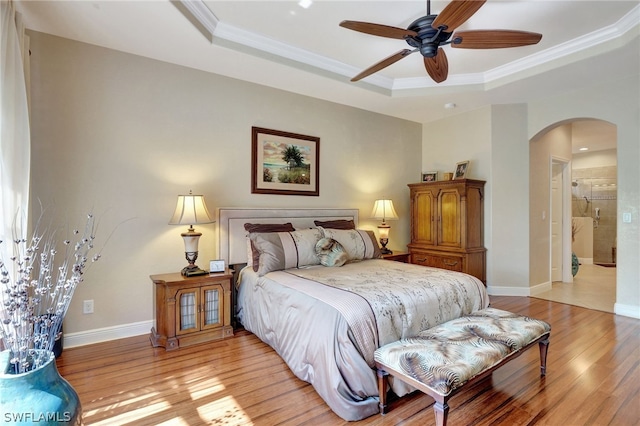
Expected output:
(383, 209)
(190, 209)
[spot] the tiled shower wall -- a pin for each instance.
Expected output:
(597, 188)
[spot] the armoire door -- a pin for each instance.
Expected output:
(424, 217)
(449, 218)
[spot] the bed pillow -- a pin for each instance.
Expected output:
(336, 224)
(269, 227)
(331, 253)
(283, 250)
(252, 253)
(359, 244)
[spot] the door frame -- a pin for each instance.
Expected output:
(565, 187)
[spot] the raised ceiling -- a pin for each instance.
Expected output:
(303, 50)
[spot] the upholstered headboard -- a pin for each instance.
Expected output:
(232, 235)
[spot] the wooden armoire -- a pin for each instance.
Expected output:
(447, 226)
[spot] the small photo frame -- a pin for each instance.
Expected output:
(217, 265)
(430, 176)
(462, 169)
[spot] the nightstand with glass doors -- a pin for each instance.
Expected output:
(191, 310)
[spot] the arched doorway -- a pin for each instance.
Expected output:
(586, 181)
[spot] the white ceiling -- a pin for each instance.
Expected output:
(282, 45)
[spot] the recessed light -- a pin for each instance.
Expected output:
(584, 148)
(305, 3)
(450, 105)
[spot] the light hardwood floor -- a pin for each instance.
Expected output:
(593, 378)
(593, 287)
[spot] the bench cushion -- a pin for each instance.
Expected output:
(447, 356)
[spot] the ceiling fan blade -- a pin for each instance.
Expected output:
(456, 13)
(493, 39)
(378, 29)
(437, 66)
(383, 64)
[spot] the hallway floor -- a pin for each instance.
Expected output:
(593, 287)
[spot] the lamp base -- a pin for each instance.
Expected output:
(192, 271)
(384, 249)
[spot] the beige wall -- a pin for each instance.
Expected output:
(509, 181)
(607, 157)
(494, 140)
(125, 135)
(554, 144)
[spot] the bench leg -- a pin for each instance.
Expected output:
(544, 347)
(382, 390)
(441, 410)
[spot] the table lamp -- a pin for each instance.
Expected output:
(383, 209)
(191, 209)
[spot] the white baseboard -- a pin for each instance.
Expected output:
(98, 335)
(540, 288)
(627, 310)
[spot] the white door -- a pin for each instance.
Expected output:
(556, 221)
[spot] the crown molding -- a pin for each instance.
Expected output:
(207, 20)
(572, 48)
(219, 32)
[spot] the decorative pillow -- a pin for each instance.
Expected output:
(283, 250)
(331, 253)
(359, 244)
(336, 224)
(252, 253)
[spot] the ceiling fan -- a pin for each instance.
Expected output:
(428, 33)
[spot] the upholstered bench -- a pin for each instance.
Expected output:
(443, 359)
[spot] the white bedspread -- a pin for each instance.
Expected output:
(327, 331)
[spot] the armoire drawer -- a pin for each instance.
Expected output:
(451, 263)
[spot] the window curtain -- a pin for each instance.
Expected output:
(14, 124)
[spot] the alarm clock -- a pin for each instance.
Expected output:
(216, 266)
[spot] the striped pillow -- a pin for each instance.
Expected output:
(284, 250)
(253, 257)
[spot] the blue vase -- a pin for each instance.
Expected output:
(38, 397)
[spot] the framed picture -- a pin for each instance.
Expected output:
(462, 168)
(430, 177)
(284, 163)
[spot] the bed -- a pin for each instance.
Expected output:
(326, 320)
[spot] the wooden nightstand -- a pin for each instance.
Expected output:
(398, 256)
(191, 310)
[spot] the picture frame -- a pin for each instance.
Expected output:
(284, 163)
(217, 265)
(430, 176)
(462, 170)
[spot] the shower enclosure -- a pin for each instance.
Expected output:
(594, 195)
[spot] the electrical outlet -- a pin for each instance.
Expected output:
(87, 307)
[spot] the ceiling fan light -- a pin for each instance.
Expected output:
(429, 50)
